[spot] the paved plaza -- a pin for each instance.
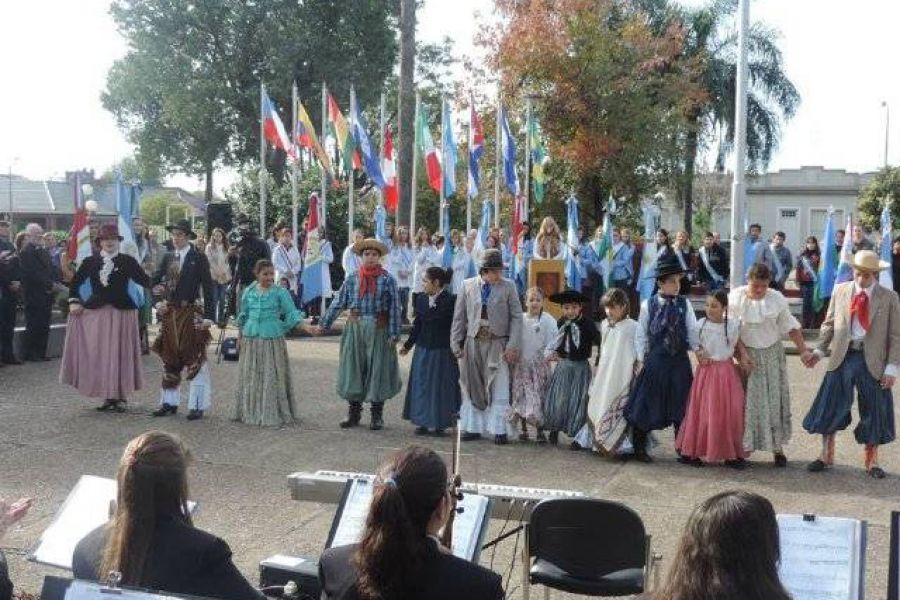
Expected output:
(49, 437)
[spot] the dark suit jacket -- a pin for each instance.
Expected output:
(181, 560)
(194, 277)
(37, 274)
(431, 327)
(446, 577)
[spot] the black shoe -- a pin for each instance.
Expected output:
(165, 410)
(421, 431)
(118, 406)
(687, 460)
(739, 464)
(107, 404)
(780, 460)
(468, 436)
(554, 437)
(501, 440)
(353, 416)
(377, 422)
(816, 466)
(40, 359)
(194, 414)
(575, 447)
(12, 360)
(876, 473)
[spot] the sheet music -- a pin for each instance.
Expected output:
(821, 559)
(466, 527)
(85, 509)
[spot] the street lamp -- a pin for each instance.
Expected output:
(887, 129)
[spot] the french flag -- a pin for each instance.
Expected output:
(273, 128)
(476, 149)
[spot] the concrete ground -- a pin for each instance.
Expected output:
(49, 437)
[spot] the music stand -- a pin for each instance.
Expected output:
(63, 588)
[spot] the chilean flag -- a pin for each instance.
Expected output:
(389, 172)
(476, 149)
(273, 128)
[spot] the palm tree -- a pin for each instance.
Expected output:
(771, 99)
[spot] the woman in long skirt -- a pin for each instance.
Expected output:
(102, 353)
(265, 395)
(432, 393)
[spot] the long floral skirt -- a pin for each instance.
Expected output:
(265, 395)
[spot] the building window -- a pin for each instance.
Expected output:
(817, 218)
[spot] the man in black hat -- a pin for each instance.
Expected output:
(486, 336)
(9, 287)
(246, 248)
(182, 276)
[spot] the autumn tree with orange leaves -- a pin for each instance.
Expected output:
(611, 88)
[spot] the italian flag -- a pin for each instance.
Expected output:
(426, 147)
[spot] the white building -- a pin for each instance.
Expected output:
(794, 201)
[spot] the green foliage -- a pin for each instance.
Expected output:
(133, 168)
(153, 208)
(885, 186)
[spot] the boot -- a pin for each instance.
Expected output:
(377, 421)
(145, 341)
(354, 414)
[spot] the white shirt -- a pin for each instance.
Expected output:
(400, 265)
(763, 322)
(350, 261)
(426, 256)
(287, 264)
(643, 331)
(713, 340)
(537, 334)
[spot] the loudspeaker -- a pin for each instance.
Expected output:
(302, 570)
(218, 214)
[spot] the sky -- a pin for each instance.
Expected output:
(56, 54)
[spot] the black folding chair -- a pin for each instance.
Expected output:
(586, 546)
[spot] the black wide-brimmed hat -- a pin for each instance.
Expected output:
(569, 297)
(182, 225)
(667, 264)
(490, 260)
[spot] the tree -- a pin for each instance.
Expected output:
(187, 92)
(132, 169)
(772, 98)
(407, 107)
(153, 208)
(885, 186)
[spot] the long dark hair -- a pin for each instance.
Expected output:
(807, 251)
(152, 481)
(729, 549)
(720, 296)
(394, 545)
(441, 275)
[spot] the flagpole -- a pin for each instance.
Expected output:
(527, 200)
(443, 167)
(262, 162)
(324, 183)
(350, 207)
(294, 192)
(382, 123)
(738, 194)
(468, 170)
(497, 166)
(415, 169)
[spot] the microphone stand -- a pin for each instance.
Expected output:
(454, 487)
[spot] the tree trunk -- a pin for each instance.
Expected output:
(406, 108)
(687, 180)
(208, 195)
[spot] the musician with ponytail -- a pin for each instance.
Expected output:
(400, 556)
(150, 538)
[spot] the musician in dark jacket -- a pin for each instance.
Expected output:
(150, 539)
(37, 281)
(181, 280)
(9, 288)
(246, 249)
(102, 354)
(400, 556)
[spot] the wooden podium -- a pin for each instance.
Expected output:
(550, 277)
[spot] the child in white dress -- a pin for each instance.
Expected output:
(533, 370)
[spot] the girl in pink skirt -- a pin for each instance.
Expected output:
(713, 428)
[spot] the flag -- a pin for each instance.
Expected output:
(448, 148)
(370, 160)
(844, 270)
(509, 155)
(827, 263)
(380, 220)
(538, 158)
(341, 131)
(305, 136)
(79, 246)
(476, 149)
(648, 256)
(604, 248)
(311, 276)
(573, 278)
(273, 128)
(518, 212)
(447, 253)
(484, 228)
(429, 152)
(886, 278)
(123, 207)
(389, 172)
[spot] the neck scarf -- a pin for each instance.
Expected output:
(859, 308)
(571, 331)
(667, 321)
(107, 268)
(368, 276)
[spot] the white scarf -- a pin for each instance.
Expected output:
(680, 257)
(107, 268)
(571, 326)
(807, 266)
(715, 274)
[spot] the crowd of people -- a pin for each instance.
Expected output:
(729, 547)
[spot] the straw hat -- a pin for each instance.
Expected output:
(369, 244)
(866, 260)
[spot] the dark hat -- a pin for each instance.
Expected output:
(490, 260)
(242, 219)
(668, 264)
(108, 231)
(182, 225)
(569, 297)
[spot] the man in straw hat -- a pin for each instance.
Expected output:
(486, 336)
(368, 369)
(182, 276)
(862, 329)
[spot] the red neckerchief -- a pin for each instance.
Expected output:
(367, 278)
(859, 306)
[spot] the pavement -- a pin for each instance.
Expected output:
(49, 437)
